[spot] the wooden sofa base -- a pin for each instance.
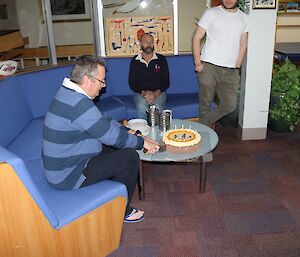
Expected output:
(24, 230)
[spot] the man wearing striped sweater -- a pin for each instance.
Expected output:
(81, 146)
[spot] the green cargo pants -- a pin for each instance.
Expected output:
(221, 81)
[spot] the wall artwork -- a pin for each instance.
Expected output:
(122, 34)
(264, 4)
(70, 9)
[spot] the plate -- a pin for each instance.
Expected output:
(139, 124)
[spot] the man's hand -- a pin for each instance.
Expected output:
(198, 67)
(157, 93)
(149, 96)
(198, 35)
(131, 131)
(150, 146)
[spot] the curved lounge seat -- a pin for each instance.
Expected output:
(35, 218)
(38, 220)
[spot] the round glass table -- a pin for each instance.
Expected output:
(209, 140)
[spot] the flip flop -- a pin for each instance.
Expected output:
(134, 211)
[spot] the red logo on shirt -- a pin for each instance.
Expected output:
(156, 68)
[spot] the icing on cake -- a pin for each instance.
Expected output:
(186, 140)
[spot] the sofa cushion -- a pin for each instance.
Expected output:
(40, 87)
(68, 205)
(15, 112)
(28, 144)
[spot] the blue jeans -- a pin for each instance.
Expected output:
(141, 104)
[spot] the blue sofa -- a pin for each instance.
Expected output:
(182, 93)
(38, 220)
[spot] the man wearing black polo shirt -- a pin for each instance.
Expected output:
(148, 77)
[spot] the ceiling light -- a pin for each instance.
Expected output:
(143, 4)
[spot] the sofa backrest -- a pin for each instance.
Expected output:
(117, 76)
(40, 87)
(183, 78)
(15, 113)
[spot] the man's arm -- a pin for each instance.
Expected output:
(133, 74)
(243, 49)
(165, 75)
(198, 35)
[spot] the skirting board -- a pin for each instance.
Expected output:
(252, 133)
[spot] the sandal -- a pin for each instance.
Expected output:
(134, 211)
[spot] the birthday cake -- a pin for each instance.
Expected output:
(181, 140)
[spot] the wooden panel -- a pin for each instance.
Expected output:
(10, 55)
(288, 26)
(42, 52)
(11, 41)
(24, 230)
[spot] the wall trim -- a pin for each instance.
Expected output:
(252, 133)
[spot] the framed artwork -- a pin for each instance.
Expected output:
(122, 34)
(70, 9)
(264, 4)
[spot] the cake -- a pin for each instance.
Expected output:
(181, 140)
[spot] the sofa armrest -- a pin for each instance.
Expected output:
(13, 160)
(21, 171)
(28, 233)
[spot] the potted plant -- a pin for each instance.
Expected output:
(284, 114)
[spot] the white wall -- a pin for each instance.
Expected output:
(30, 20)
(71, 33)
(255, 90)
(187, 22)
(32, 25)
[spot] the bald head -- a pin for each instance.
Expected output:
(147, 43)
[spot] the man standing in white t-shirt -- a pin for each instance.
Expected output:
(219, 61)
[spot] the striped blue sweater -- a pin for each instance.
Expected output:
(74, 131)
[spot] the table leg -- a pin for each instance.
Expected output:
(203, 172)
(141, 185)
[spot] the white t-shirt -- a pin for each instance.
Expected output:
(223, 34)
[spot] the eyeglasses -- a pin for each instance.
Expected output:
(101, 81)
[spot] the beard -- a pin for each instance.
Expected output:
(229, 7)
(147, 50)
